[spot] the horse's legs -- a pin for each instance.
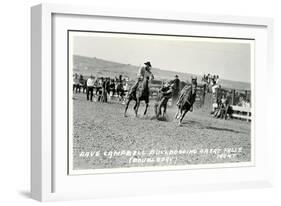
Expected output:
(165, 109)
(136, 104)
(127, 105)
(136, 107)
(162, 107)
(146, 106)
(177, 114)
(156, 109)
(182, 116)
(180, 113)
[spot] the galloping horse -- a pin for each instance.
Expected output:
(186, 100)
(141, 94)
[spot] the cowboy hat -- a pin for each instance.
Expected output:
(148, 64)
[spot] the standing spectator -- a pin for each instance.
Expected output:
(81, 83)
(176, 89)
(218, 109)
(217, 79)
(107, 85)
(209, 78)
(223, 107)
(228, 108)
(111, 88)
(104, 92)
(215, 86)
(208, 83)
(120, 78)
(241, 102)
(120, 91)
(214, 95)
(99, 88)
(90, 88)
(126, 89)
(247, 103)
(75, 83)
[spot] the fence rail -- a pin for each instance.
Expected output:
(241, 112)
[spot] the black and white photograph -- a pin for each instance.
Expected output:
(144, 102)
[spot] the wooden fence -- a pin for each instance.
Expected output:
(234, 95)
(241, 112)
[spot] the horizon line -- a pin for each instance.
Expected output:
(157, 68)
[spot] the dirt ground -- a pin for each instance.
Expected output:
(103, 138)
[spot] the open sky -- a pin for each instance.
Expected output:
(230, 59)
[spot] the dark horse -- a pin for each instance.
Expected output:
(186, 100)
(141, 94)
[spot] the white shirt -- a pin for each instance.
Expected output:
(126, 88)
(75, 80)
(214, 88)
(143, 73)
(90, 82)
(217, 81)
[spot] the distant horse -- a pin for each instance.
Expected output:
(186, 100)
(141, 94)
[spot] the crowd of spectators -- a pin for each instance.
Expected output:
(104, 89)
(212, 81)
(222, 108)
(100, 88)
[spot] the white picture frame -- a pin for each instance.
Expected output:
(50, 181)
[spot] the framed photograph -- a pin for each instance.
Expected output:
(138, 102)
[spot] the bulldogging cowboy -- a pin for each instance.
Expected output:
(165, 94)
